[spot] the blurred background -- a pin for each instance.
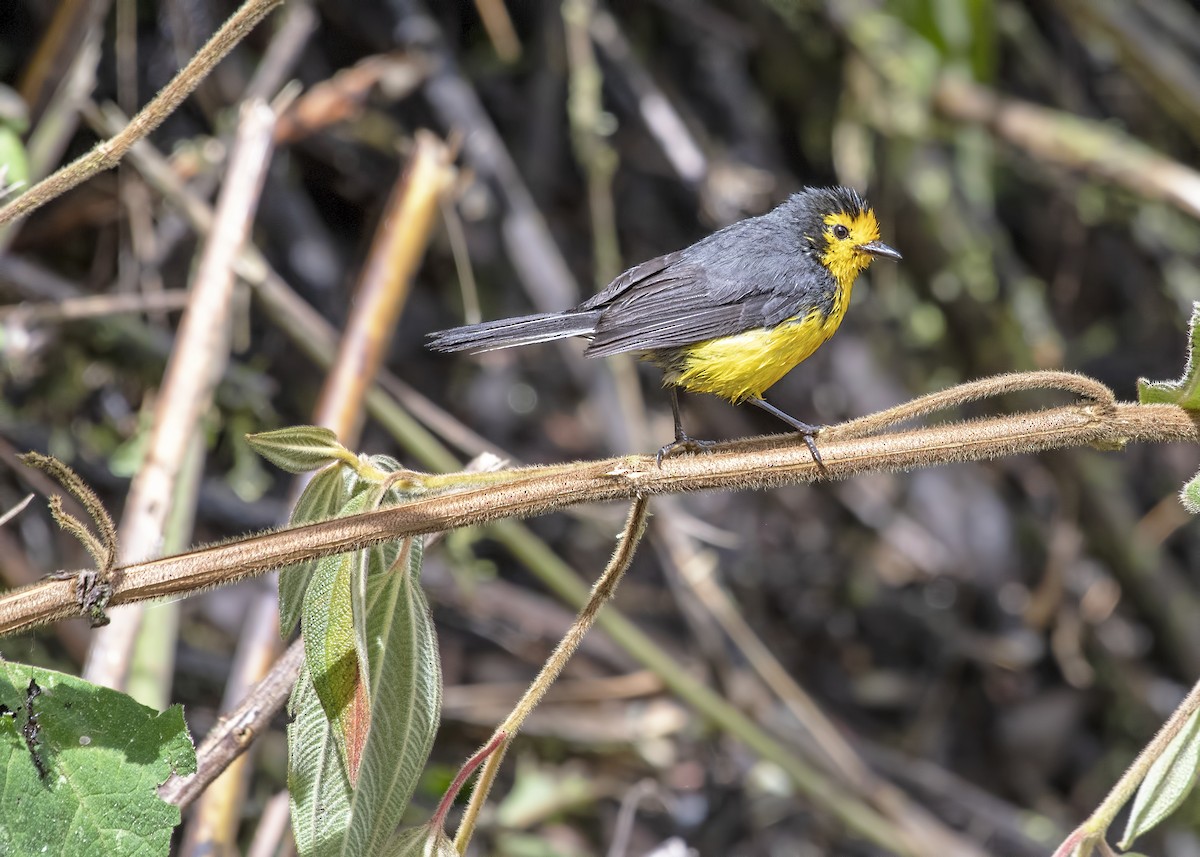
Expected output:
(989, 645)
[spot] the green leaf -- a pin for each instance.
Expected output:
(14, 161)
(298, 449)
(404, 692)
(386, 463)
(318, 789)
(1190, 495)
(1167, 783)
(103, 756)
(323, 497)
(406, 700)
(1186, 391)
(331, 658)
(421, 841)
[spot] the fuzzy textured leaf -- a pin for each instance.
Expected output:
(298, 449)
(404, 693)
(406, 700)
(1186, 391)
(103, 756)
(421, 842)
(1169, 780)
(1190, 495)
(324, 497)
(318, 789)
(331, 658)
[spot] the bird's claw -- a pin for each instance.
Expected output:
(683, 443)
(810, 440)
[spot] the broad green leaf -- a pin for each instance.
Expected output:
(1190, 495)
(363, 614)
(323, 497)
(298, 449)
(421, 841)
(405, 695)
(1186, 391)
(331, 658)
(406, 698)
(318, 790)
(102, 757)
(14, 161)
(1167, 783)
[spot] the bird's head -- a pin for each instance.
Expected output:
(843, 231)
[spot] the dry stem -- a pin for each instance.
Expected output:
(635, 526)
(1091, 833)
(752, 464)
(203, 341)
(108, 153)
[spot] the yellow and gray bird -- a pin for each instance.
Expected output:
(730, 315)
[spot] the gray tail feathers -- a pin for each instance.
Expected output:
(508, 332)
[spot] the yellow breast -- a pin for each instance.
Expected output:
(744, 365)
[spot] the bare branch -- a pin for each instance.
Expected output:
(108, 153)
(458, 500)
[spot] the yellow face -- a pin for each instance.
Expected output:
(845, 235)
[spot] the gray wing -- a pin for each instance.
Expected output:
(635, 276)
(681, 305)
(751, 274)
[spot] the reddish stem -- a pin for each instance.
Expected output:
(1068, 846)
(438, 822)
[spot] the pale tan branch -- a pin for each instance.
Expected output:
(108, 153)
(752, 464)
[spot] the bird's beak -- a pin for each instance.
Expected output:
(878, 248)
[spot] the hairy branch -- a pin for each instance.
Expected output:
(464, 500)
(108, 153)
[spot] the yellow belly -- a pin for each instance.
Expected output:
(744, 365)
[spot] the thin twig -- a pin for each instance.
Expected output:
(973, 391)
(203, 341)
(635, 526)
(93, 306)
(1091, 833)
(500, 29)
(236, 730)
(11, 513)
(1073, 142)
(108, 153)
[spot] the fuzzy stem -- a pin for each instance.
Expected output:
(1091, 833)
(603, 590)
(108, 153)
(751, 464)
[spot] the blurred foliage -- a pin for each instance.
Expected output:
(997, 639)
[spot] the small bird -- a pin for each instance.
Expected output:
(730, 315)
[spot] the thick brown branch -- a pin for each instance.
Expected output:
(752, 464)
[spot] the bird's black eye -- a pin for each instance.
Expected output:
(840, 232)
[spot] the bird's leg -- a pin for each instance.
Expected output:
(808, 432)
(682, 442)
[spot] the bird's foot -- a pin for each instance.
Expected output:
(810, 440)
(683, 443)
(808, 432)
